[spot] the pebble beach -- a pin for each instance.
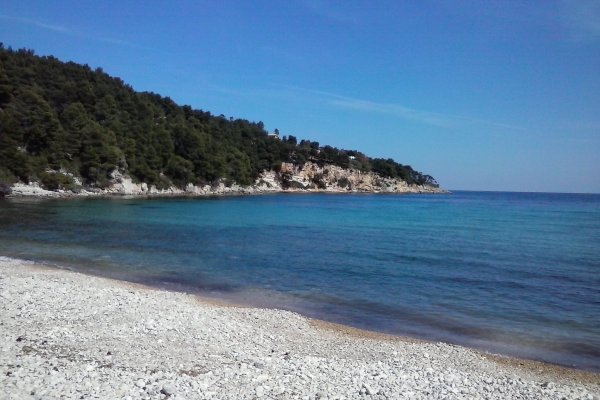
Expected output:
(75, 336)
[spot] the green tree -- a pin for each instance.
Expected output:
(65, 116)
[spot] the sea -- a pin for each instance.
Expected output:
(511, 273)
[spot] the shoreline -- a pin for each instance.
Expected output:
(321, 322)
(294, 179)
(329, 342)
(222, 300)
(85, 194)
(539, 369)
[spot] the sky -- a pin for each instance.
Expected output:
(482, 95)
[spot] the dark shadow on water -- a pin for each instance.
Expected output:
(365, 315)
(388, 320)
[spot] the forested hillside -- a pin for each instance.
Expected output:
(69, 118)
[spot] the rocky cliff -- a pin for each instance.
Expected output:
(70, 127)
(332, 178)
(309, 177)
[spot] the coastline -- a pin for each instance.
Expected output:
(293, 179)
(194, 347)
(23, 191)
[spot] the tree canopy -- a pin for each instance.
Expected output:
(62, 116)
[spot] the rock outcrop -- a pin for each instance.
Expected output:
(309, 177)
(332, 178)
(5, 190)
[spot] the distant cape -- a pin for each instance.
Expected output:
(69, 128)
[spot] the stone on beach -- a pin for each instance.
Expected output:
(76, 336)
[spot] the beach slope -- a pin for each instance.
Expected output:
(69, 335)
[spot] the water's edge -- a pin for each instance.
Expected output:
(537, 366)
(438, 268)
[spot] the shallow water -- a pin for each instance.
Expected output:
(515, 273)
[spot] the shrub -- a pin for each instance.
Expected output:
(56, 180)
(318, 181)
(344, 183)
(5, 190)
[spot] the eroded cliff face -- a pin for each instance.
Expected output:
(331, 178)
(290, 178)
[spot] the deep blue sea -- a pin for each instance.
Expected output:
(514, 273)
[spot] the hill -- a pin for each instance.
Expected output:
(67, 125)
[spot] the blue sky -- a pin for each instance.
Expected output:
(483, 95)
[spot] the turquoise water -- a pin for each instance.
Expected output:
(514, 273)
